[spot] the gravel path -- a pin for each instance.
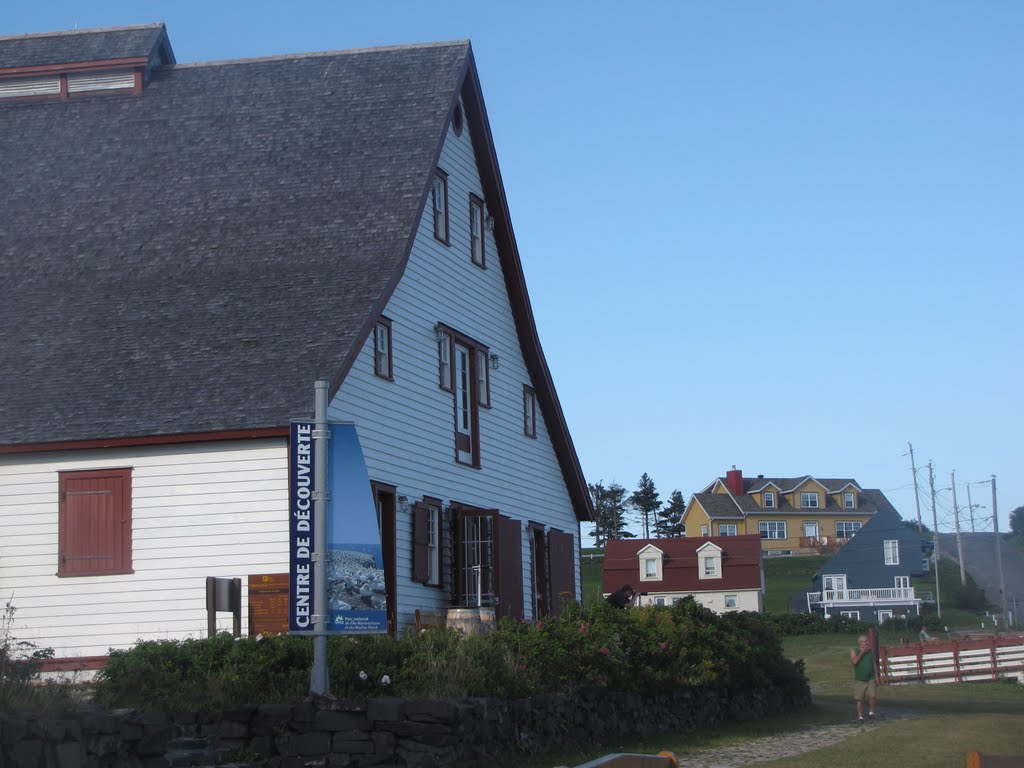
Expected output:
(768, 748)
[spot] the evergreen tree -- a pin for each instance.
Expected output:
(646, 502)
(669, 523)
(609, 513)
(1017, 521)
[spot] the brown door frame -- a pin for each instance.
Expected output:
(385, 498)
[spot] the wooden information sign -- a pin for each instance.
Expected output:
(268, 604)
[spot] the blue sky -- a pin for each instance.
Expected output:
(785, 236)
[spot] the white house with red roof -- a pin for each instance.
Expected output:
(723, 573)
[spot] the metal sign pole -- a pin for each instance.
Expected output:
(318, 683)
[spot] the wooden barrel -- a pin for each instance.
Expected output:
(471, 621)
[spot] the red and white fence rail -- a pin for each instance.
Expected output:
(953, 661)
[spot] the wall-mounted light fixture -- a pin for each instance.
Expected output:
(494, 361)
(403, 504)
(440, 333)
(489, 223)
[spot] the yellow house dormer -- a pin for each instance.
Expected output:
(810, 494)
(847, 497)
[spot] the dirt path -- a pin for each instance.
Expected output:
(768, 748)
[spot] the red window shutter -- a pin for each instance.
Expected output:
(94, 528)
(420, 542)
(510, 568)
(562, 556)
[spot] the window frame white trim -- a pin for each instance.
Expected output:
(806, 496)
(732, 526)
(765, 499)
(764, 526)
(439, 207)
(891, 551)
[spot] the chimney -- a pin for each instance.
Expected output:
(734, 481)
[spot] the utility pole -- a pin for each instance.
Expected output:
(959, 541)
(970, 507)
(935, 538)
(917, 501)
(999, 552)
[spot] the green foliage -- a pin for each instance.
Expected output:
(19, 669)
(669, 521)
(609, 513)
(645, 501)
(595, 646)
(954, 594)
(790, 624)
(1017, 521)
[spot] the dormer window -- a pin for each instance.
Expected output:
(651, 563)
(60, 65)
(709, 561)
(849, 500)
(769, 499)
(809, 500)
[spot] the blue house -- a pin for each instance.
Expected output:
(869, 579)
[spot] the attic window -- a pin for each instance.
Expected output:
(34, 86)
(69, 84)
(457, 120)
(100, 81)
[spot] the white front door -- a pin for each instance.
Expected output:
(811, 529)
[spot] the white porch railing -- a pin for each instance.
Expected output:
(835, 597)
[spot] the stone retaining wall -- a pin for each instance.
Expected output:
(376, 732)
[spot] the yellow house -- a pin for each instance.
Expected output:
(792, 515)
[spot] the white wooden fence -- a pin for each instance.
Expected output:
(953, 661)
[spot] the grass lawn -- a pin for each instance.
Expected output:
(949, 720)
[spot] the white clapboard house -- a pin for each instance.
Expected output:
(184, 251)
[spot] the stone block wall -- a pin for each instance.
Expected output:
(375, 732)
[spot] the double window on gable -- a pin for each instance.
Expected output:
(891, 551)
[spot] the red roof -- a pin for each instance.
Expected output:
(741, 564)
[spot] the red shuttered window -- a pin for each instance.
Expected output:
(95, 523)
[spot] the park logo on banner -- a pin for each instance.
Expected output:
(355, 568)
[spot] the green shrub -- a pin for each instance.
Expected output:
(789, 624)
(595, 646)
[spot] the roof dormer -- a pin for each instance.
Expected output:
(652, 563)
(709, 561)
(60, 65)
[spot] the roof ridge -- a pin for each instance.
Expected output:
(315, 54)
(92, 30)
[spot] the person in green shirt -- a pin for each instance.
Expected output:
(863, 677)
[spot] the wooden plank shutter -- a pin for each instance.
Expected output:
(510, 568)
(420, 541)
(562, 556)
(94, 529)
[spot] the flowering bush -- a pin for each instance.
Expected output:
(640, 649)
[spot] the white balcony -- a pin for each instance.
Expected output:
(839, 597)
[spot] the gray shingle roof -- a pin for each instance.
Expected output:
(719, 506)
(162, 256)
(79, 45)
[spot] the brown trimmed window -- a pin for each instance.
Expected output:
(529, 411)
(382, 365)
(94, 528)
(462, 369)
(476, 231)
(475, 556)
(439, 203)
(426, 556)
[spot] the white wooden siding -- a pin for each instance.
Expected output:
(406, 426)
(211, 509)
(746, 599)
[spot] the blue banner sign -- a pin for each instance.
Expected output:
(356, 593)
